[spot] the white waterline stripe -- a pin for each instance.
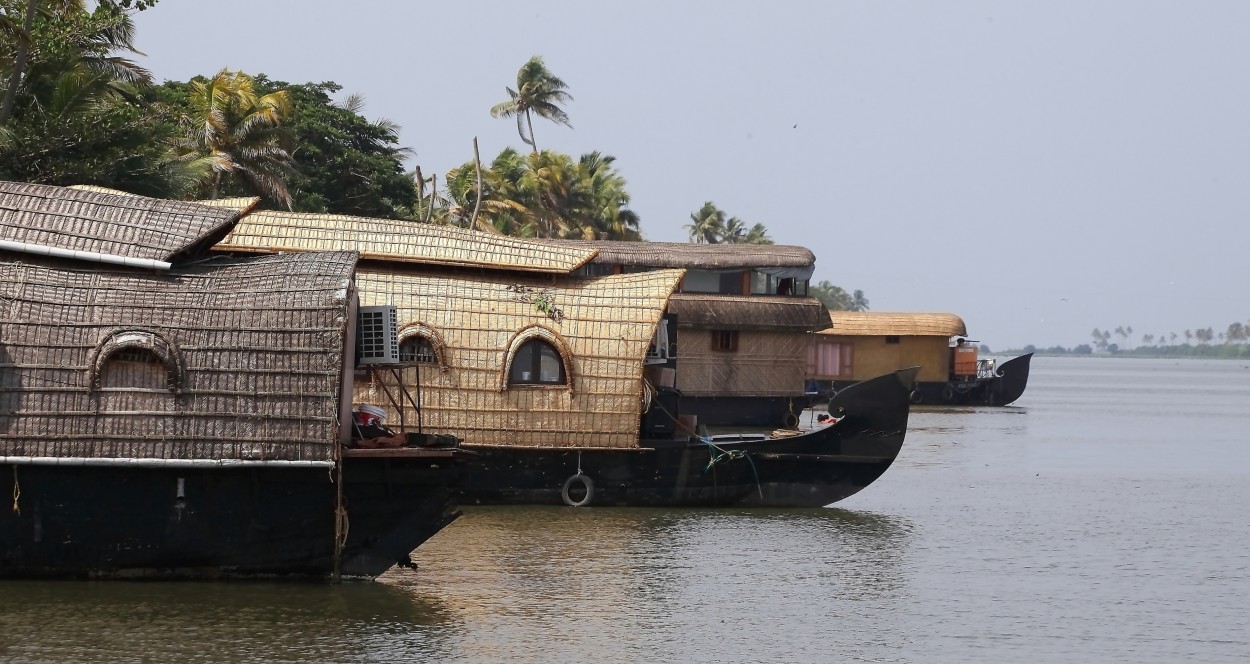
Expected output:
(160, 463)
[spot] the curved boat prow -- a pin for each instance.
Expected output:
(882, 403)
(1013, 377)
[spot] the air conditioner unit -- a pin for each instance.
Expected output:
(377, 340)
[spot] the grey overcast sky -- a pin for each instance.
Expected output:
(1040, 168)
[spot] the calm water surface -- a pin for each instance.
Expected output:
(1103, 518)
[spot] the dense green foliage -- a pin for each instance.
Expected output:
(836, 299)
(75, 114)
(545, 194)
(344, 164)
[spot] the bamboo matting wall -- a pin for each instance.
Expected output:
(765, 364)
(250, 349)
(104, 222)
(871, 356)
(402, 241)
(604, 325)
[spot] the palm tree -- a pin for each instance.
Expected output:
(547, 194)
(858, 301)
(538, 92)
(707, 225)
(735, 231)
(757, 235)
(609, 216)
(231, 129)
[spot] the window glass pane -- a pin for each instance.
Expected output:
(731, 283)
(523, 364)
(549, 365)
(700, 281)
(760, 283)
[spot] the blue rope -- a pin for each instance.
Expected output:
(730, 455)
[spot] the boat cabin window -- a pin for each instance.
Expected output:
(135, 369)
(417, 348)
(537, 363)
(763, 283)
(826, 360)
(707, 281)
(725, 340)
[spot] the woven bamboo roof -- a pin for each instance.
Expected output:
(883, 323)
(402, 241)
(601, 326)
(251, 349)
(691, 255)
(100, 221)
(741, 312)
(240, 204)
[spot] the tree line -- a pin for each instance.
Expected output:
(1233, 342)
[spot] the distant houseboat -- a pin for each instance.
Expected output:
(542, 369)
(859, 345)
(165, 414)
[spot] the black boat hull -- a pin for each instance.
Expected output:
(817, 468)
(175, 523)
(1003, 389)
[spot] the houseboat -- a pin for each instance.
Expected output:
(860, 344)
(169, 414)
(567, 384)
(744, 315)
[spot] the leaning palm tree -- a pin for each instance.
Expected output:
(232, 130)
(537, 92)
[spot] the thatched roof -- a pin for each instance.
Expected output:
(240, 204)
(883, 323)
(102, 222)
(249, 359)
(403, 241)
(602, 327)
(691, 255)
(741, 312)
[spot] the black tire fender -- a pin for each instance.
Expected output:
(586, 482)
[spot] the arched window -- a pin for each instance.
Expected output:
(421, 344)
(417, 348)
(537, 363)
(136, 360)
